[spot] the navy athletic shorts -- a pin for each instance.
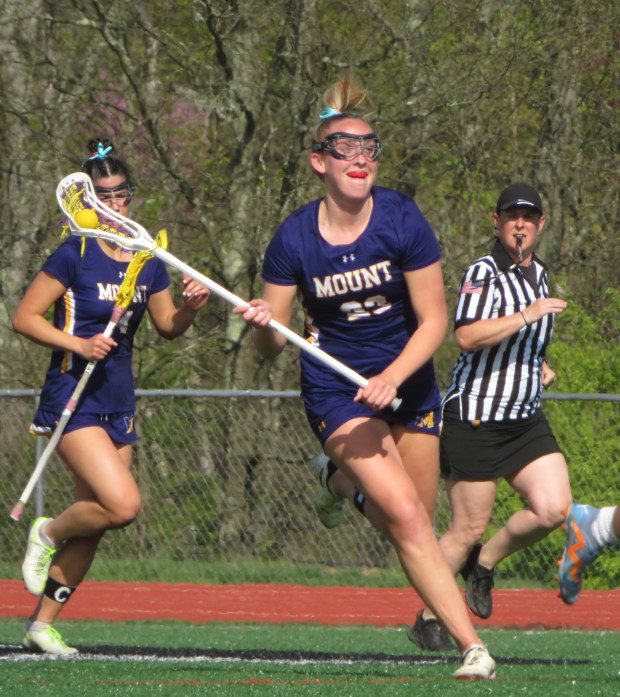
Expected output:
(327, 411)
(118, 425)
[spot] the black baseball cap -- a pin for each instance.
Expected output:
(519, 194)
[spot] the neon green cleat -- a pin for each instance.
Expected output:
(48, 641)
(38, 559)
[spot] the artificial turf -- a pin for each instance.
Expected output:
(299, 659)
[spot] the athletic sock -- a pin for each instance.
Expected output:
(602, 527)
(470, 647)
(331, 470)
(37, 626)
(45, 539)
(359, 501)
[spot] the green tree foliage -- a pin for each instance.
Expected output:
(212, 102)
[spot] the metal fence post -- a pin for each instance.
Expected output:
(40, 486)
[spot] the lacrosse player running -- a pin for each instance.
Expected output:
(493, 424)
(367, 266)
(80, 280)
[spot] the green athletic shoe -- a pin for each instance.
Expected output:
(48, 641)
(329, 508)
(38, 559)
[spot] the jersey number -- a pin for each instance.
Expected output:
(375, 305)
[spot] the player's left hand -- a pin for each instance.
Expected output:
(378, 394)
(195, 295)
(548, 375)
(257, 312)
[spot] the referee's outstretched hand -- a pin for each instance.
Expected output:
(548, 375)
(542, 307)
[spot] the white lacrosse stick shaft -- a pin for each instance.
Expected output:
(18, 509)
(76, 191)
(289, 335)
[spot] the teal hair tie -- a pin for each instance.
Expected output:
(328, 112)
(101, 152)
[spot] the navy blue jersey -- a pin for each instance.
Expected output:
(92, 280)
(355, 297)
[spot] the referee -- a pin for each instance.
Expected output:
(493, 425)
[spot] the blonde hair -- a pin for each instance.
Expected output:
(344, 99)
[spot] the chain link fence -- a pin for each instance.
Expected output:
(228, 494)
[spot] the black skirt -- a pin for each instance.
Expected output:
(492, 449)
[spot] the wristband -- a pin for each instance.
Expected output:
(527, 324)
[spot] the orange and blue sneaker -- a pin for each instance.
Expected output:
(580, 550)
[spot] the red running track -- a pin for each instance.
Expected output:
(523, 609)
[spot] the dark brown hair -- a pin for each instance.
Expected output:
(103, 164)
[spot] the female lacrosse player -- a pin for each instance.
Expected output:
(366, 264)
(493, 425)
(80, 280)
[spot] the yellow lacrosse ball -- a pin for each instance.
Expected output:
(87, 218)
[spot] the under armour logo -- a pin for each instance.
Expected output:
(348, 257)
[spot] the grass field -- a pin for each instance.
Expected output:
(174, 658)
(255, 571)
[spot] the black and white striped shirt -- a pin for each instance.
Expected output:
(502, 382)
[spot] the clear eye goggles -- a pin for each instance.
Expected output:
(347, 146)
(122, 192)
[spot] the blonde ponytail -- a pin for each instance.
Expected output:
(346, 95)
(344, 99)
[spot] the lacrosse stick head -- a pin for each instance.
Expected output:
(76, 193)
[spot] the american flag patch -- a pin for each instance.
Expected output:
(471, 287)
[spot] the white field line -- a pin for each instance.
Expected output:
(17, 656)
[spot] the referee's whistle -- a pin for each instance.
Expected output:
(519, 239)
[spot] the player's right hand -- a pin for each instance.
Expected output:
(97, 347)
(378, 394)
(257, 312)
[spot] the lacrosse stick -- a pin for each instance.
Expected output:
(124, 298)
(76, 193)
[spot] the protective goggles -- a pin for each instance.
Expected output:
(347, 146)
(122, 192)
